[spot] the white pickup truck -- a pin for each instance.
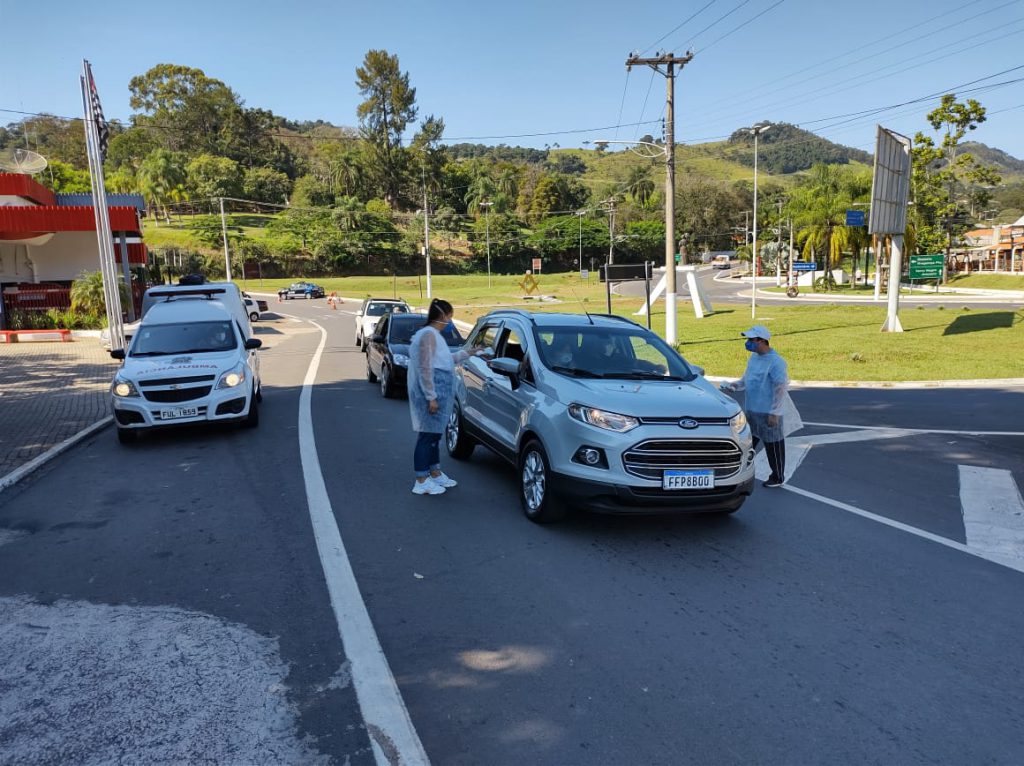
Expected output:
(189, 361)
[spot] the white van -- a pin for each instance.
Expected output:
(722, 262)
(189, 361)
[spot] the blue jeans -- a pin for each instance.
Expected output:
(427, 456)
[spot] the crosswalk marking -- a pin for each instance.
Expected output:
(993, 512)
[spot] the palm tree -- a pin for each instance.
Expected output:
(482, 189)
(639, 184)
(162, 179)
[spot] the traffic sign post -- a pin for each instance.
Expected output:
(854, 217)
(926, 267)
(805, 266)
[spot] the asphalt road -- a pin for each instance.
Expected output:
(793, 632)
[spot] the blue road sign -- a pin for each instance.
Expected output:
(804, 266)
(854, 217)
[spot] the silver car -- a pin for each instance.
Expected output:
(600, 413)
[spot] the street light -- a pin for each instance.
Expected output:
(487, 227)
(755, 131)
(651, 151)
(580, 214)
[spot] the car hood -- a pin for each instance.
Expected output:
(183, 365)
(651, 398)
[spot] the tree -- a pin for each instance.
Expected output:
(87, 294)
(162, 179)
(818, 207)
(62, 178)
(389, 106)
(266, 185)
(188, 108)
(940, 173)
(210, 176)
(639, 184)
(310, 192)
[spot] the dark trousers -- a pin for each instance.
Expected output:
(776, 454)
(427, 456)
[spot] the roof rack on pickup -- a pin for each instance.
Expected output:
(207, 292)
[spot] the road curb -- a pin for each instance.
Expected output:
(896, 384)
(38, 461)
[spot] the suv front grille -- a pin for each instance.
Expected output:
(179, 395)
(674, 421)
(649, 459)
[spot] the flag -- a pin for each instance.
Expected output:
(97, 115)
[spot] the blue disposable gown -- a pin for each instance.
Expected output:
(431, 376)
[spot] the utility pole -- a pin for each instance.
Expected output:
(580, 214)
(778, 249)
(611, 232)
(669, 61)
(791, 275)
(487, 229)
(224, 233)
(426, 235)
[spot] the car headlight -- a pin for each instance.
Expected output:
(123, 388)
(609, 421)
(402, 360)
(738, 422)
(232, 378)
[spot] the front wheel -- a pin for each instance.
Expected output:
(539, 503)
(254, 317)
(370, 377)
(252, 419)
(126, 435)
(459, 444)
(387, 386)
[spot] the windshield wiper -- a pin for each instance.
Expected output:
(575, 372)
(152, 353)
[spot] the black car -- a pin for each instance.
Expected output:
(305, 290)
(387, 351)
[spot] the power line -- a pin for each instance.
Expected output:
(678, 27)
(739, 27)
(721, 18)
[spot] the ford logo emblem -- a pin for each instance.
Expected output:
(688, 423)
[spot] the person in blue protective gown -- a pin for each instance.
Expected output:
(432, 396)
(770, 410)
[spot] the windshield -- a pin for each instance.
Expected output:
(380, 309)
(403, 328)
(191, 338)
(626, 353)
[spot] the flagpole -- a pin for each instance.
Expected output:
(104, 235)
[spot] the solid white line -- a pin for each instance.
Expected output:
(20, 473)
(1002, 561)
(914, 431)
(387, 720)
(993, 511)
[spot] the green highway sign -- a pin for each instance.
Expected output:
(926, 266)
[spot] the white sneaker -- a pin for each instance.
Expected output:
(428, 487)
(444, 480)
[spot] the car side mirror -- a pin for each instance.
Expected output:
(507, 367)
(117, 353)
(375, 338)
(697, 369)
(251, 344)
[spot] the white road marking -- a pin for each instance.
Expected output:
(913, 431)
(993, 512)
(797, 447)
(1012, 564)
(387, 720)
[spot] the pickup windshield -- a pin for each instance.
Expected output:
(599, 351)
(191, 338)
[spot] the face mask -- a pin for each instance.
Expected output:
(750, 346)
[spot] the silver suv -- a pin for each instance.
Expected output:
(598, 412)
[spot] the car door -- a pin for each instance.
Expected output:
(377, 348)
(476, 376)
(505, 405)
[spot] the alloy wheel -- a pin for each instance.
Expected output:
(534, 480)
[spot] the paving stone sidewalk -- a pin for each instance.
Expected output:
(48, 392)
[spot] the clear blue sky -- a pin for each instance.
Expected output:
(496, 69)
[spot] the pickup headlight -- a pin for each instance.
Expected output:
(232, 378)
(402, 360)
(123, 388)
(609, 421)
(738, 422)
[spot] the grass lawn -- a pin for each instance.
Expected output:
(989, 281)
(820, 342)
